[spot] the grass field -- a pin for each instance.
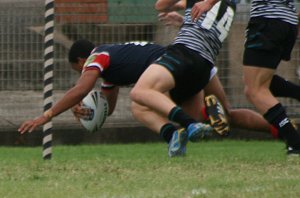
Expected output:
(211, 169)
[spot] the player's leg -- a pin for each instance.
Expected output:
(194, 110)
(159, 124)
(192, 106)
(268, 42)
(153, 121)
(217, 107)
(242, 118)
(284, 88)
(249, 119)
(215, 87)
(150, 119)
(151, 87)
(257, 81)
(149, 91)
(177, 64)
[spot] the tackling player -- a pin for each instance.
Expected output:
(279, 86)
(185, 69)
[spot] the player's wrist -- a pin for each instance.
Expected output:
(48, 114)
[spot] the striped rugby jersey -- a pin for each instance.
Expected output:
(284, 10)
(207, 34)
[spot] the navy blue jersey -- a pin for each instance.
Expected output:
(123, 64)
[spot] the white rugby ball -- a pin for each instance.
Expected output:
(97, 103)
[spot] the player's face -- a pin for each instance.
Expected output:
(77, 67)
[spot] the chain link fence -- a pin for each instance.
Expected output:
(101, 21)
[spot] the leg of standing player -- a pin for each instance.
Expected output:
(261, 58)
(284, 88)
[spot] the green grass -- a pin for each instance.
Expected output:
(211, 169)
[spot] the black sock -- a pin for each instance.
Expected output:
(177, 115)
(278, 118)
(166, 131)
(283, 88)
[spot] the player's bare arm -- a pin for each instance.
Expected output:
(85, 84)
(171, 18)
(170, 5)
(202, 7)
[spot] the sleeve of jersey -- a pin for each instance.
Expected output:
(107, 85)
(97, 61)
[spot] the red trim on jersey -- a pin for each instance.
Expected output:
(102, 59)
(92, 68)
(107, 85)
(99, 61)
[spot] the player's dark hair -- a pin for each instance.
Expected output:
(80, 49)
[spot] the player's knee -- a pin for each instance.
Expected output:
(250, 93)
(134, 109)
(134, 94)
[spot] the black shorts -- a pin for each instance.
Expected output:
(268, 41)
(191, 72)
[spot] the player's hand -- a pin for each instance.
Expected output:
(30, 125)
(80, 111)
(201, 7)
(171, 18)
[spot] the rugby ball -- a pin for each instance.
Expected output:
(97, 104)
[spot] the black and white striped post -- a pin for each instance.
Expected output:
(48, 75)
